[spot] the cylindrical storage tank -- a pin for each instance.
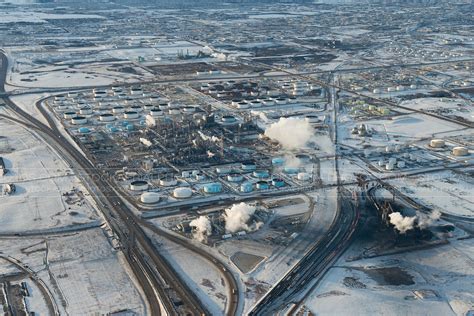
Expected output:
(261, 174)
(131, 115)
(223, 170)
(136, 108)
(392, 161)
(228, 119)
(200, 177)
(246, 187)
(155, 112)
(174, 112)
(85, 111)
(437, 143)
(235, 177)
(303, 176)
(150, 198)
(139, 185)
(303, 158)
(280, 101)
(182, 193)
(148, 107)
(129, 127)
(460, 151)
(389, 166)
(212, 188)
(236, 102)
(69, 115)
(293, 100)
(278, 161)
(278, 183)
(189, 109)
(290, 170)
(248, 166)
(84, 130)
(381, 163)
(268, 102)
(106, 117)
(262, 185)
(79, 120)
(168, 182)
(118, 109)
(255, 104)
(243, 105)
(163, 106)
(401, 164)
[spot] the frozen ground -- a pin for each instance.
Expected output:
(41, 179)
(442, 284)
(447, 191)
(199, 274)
(82, 270)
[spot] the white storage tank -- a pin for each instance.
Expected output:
(131, 115)
(303, 176)
(182, 193)
(69, 115)
(79, 120)
(150, 197)
(118, 109)
(106, 117)
(168, 182)
(139, 185)
(437, 143)
(401, 164)
(85, 111)
(460, 151)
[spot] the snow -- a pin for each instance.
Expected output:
(451, 279)
(41, 178)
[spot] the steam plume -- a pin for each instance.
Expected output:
(401, 223)
(291, 133)
(237, 217)
(202, 227)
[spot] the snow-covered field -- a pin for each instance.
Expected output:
(442, 276)
(83, 272)
(41, 179)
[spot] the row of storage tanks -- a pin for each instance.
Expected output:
(394, 89)
(457, 151)
(131, 113)
(263, 101)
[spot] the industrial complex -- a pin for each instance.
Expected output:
(236, 157)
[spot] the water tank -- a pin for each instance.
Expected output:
(290, 170)
(213, 188)
(139, 185)
(235, 177)
(278, 161)
(262, 185)
(278, 183)
(246, 187)
(84, 130)
(401, 164)
(182, 193)
(261, 174)
(248, 166)
(150, 197)
(460, 151)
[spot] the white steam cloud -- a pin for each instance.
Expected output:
(291, 133)
(402, 223)
(202, 227)
(237, 217)
(406, 223)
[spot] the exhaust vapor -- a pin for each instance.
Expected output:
(237, 217)
(406, 223)
(202, 227)
(291, 133)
